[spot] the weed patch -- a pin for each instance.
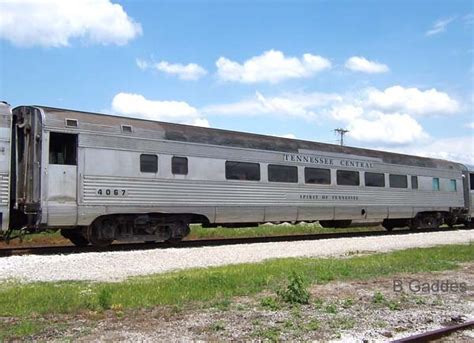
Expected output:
(270, 303)
(296, 291)
(105, 298)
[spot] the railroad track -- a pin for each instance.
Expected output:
(70, 249)
(436, 334)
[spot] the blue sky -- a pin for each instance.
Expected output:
(398, 74)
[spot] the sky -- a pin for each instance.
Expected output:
(398, 75)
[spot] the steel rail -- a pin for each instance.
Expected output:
(435, 334)
(192, 243)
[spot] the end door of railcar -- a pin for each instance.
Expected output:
(5, 134)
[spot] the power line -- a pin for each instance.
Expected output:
(341, 132)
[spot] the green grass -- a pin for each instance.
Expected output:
(19, 329)
(198, 232)
(209, 285)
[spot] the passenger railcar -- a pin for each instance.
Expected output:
(101, 178)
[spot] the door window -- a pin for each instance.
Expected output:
(63, 148)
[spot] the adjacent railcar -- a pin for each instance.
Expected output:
(101, 178)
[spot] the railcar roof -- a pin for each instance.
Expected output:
(470, 167)
(195, 134)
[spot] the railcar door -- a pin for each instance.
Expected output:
(5, 134)
(471, 193)
(26, 166)
(62, 179)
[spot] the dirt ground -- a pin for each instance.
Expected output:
(364, 311)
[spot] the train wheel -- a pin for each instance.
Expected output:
(97, 241)
(179, 230)
(388, 224)
(75, 236)
(79, 241)
(469, 224)
(101, 233)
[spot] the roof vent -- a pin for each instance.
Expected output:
(71, 122)
(127, 129)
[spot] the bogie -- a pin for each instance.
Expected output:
(76, 236)
(137, 227)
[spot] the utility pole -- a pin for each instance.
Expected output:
(341, 133)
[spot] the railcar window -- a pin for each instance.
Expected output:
(63, 148)
(179, 165)
(242, 171)
(71, 122)
(148, 163)
(398, 181)
(436, 184)
(374, 179)
(414, 182)
(452, 185)
(471, 181)
(279, 173)
(127, 129)
(347, 178)
(317, 175)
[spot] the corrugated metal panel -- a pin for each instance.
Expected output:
(4, 196)
(161, 192)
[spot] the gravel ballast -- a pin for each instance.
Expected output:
(117, 266)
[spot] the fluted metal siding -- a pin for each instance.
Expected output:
(166, 192)
(4, 196)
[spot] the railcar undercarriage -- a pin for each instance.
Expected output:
(156, 227)
(428, 220)
(131, 228)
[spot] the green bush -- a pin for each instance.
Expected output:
(295, 292)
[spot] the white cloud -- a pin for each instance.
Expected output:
(137, 106)
(346, 112)
(439, 26)
(189, 71)
(342, 107)
(387, 128)
(372, 115)
(291, 105)
(412, 101)
(54, 23)
(272, 66)
(387, 116)
(458, 149)
(361, 64)
(470, 125)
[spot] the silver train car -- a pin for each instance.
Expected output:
(100, 178)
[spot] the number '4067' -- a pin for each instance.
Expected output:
(112, 192)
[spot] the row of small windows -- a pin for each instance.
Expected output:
(452, 186)
(149, 164)
(282, 173)
(248, 171)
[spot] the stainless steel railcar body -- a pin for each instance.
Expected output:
(5, 136)
(468, 178)
(72, 169)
